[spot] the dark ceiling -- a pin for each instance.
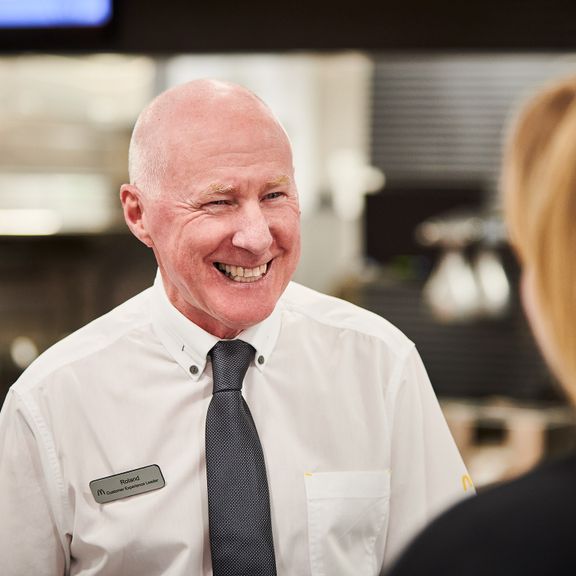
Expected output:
(172, 26)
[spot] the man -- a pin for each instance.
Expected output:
(102, 441)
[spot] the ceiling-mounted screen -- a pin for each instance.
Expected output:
(57, 25)
(16, 14)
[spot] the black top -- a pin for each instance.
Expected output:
(524, 527)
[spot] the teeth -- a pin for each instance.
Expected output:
(240, 274)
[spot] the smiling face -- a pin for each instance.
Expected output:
(225, 225)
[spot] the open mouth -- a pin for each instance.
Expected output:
(240, 274)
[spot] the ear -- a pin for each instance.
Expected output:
(133, 207)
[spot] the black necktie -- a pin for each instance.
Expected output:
(238, 500)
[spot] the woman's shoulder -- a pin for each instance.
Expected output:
(519, 527)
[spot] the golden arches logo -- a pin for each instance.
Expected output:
(467, 483)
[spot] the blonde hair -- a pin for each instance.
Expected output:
(540, 202)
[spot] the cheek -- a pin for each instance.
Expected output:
(527, 293)
(180, 237)
(535, 316)
(288, 225)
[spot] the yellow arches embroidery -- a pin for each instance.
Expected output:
(467, 483)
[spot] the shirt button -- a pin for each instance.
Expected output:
(260, 359)
(193, 370)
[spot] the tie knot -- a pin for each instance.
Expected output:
(230, 361)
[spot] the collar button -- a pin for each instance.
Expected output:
(193, 370)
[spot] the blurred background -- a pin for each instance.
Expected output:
(397, 115)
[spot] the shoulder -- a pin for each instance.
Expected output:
(543, 492)
(98, 335)
(520, 527)
(322, 310)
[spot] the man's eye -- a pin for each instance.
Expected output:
(273, 195)
(218, 203)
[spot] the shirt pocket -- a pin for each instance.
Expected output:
(347, 521)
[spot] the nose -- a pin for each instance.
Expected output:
(253, 231)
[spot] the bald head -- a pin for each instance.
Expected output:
(182, 115)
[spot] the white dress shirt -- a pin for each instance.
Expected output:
(358, 454)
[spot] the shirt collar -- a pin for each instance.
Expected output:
(189, 344)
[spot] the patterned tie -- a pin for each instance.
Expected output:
(238, 501)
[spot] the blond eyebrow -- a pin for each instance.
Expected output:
(217, 188)
(280, 180)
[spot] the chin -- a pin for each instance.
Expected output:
(243, 319)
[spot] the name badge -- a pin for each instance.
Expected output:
(127, 484)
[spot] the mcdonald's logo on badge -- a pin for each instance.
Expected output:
(101, 492)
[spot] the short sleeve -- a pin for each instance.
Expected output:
(427, 471)
(29, 540)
